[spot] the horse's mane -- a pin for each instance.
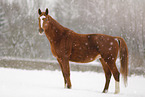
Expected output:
(54, 23)
(61, 29)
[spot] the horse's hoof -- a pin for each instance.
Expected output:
(117, 92)
(105, 91)
(69, 87)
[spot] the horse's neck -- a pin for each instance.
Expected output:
(55, 31)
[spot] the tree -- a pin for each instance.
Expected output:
(3, 31)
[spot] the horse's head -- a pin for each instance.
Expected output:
(43, 19)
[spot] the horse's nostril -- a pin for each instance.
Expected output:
(42, 30)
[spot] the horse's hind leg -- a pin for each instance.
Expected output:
(107, 74)
(116, 75)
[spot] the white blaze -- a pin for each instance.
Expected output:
(41, 20)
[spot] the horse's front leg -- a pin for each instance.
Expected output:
(64, 64)
(62, 72)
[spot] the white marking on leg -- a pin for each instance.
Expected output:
(64, 85)
(117, 87)
(41, 20)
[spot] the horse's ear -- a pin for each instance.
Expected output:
(39, 12)
(46, 12)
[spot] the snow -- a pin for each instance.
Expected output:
(33, 83)
(111, 43)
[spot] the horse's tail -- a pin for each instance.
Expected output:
(123, 59)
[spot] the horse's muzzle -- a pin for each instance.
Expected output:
(41, 30)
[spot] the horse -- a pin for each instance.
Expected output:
(67, 45)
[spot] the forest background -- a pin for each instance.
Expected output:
(19, 35)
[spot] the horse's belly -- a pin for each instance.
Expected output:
(83, 56)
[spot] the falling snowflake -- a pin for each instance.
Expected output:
(110, 48)
(111, 43)
(86, 43)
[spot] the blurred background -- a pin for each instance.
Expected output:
(19, 36)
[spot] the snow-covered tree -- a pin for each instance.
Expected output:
(125, 18)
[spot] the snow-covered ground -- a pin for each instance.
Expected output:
(33, 83)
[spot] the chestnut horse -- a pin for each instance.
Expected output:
(66, 45)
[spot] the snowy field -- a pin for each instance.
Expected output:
(33, 83)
